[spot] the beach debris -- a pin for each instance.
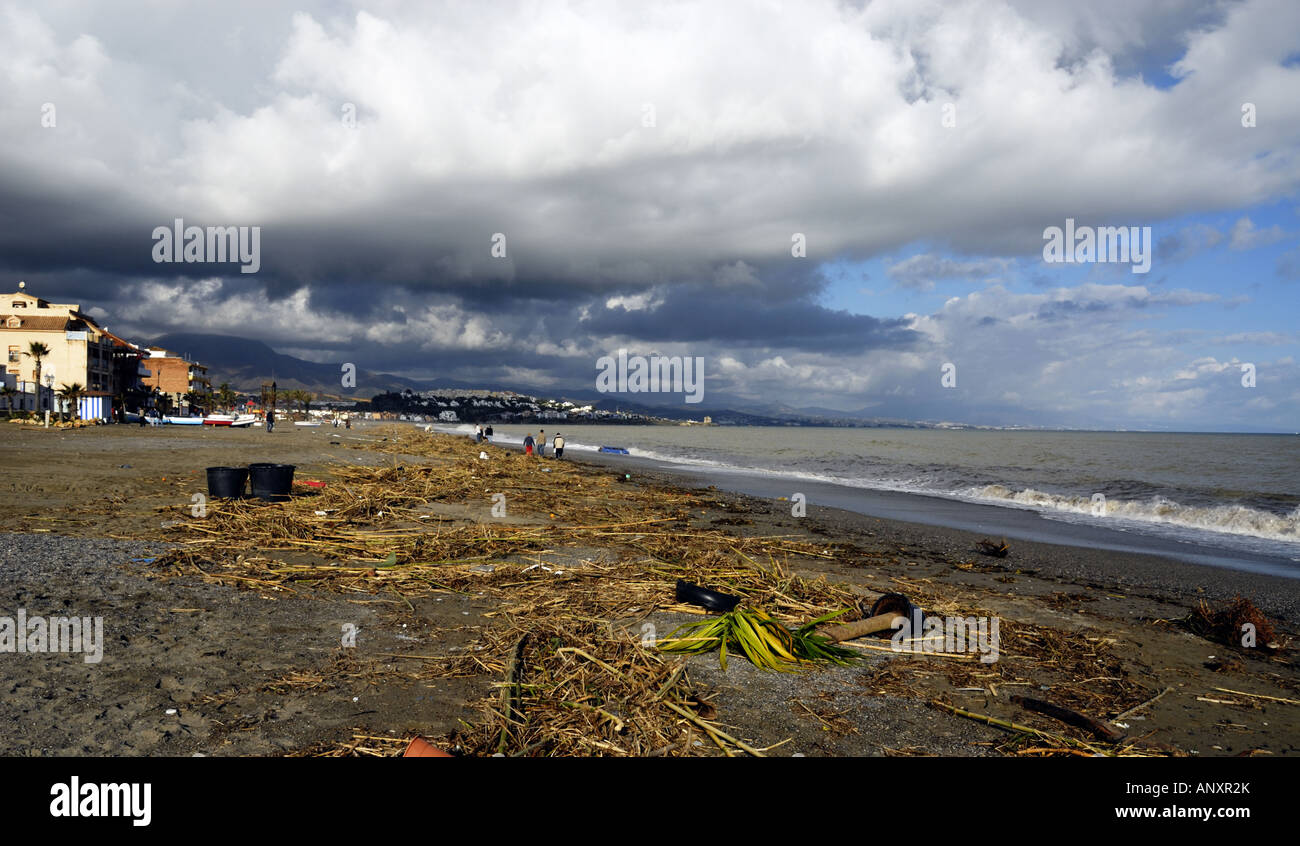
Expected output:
(764, 640)
(1266, 698)
(997, 549)
(421, 748)
(703, 597)
(889, 611)
(1237, 622)
(1223, 664)
(483, 456)
(1131, 711)
(862, 628)
(1099, 729)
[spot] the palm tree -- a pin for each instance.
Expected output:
(8, 393)
(71, 393)
(38, 351)
(226, 396)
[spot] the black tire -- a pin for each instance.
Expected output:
(705, 598)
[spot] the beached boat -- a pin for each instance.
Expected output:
(305, 423)
(238, 421)
(614, 450)
(184, 421)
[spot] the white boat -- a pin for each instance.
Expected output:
(238, 421)
(305, 423)
(184, 421)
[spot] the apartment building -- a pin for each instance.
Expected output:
(79, 351)
(177, 378)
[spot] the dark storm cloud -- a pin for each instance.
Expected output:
(694, 313)
(819, 121)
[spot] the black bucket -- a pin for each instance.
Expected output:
(271, 481)
(227, 482)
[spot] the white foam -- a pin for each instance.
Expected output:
(1230, 519)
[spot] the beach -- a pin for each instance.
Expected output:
(218, 644)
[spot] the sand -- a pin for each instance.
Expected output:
(250, 674)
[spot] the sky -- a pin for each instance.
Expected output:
(834, 205)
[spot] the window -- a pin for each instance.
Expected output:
(18, 304)
(15, 357)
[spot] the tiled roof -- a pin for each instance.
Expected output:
(42, 323)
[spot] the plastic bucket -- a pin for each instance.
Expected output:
(227, 482)
(271, 481)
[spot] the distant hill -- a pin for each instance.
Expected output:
(246, 364)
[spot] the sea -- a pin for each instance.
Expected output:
(1230, 497)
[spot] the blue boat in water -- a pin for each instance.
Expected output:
(614, 450)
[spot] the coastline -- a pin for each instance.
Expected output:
(1172, 578)
(248, 661)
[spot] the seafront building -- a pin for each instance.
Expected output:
(112, 371)
(80, 352)
(182, 384)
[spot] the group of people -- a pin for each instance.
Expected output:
(537, 445)
(532, 446)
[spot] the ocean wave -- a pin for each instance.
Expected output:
(1228, 518)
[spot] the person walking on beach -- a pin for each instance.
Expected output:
(541, 443)
(487, 434)
(528, 444)
(558, 441)
(478, 434)
(270, 421)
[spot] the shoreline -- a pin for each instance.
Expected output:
(1165, 577)
(1197, 546)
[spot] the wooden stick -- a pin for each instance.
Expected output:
(1005, 724)
(1069, 717)
(1259, 696)
(714, 730)
(1137, 708)
(510, 693)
